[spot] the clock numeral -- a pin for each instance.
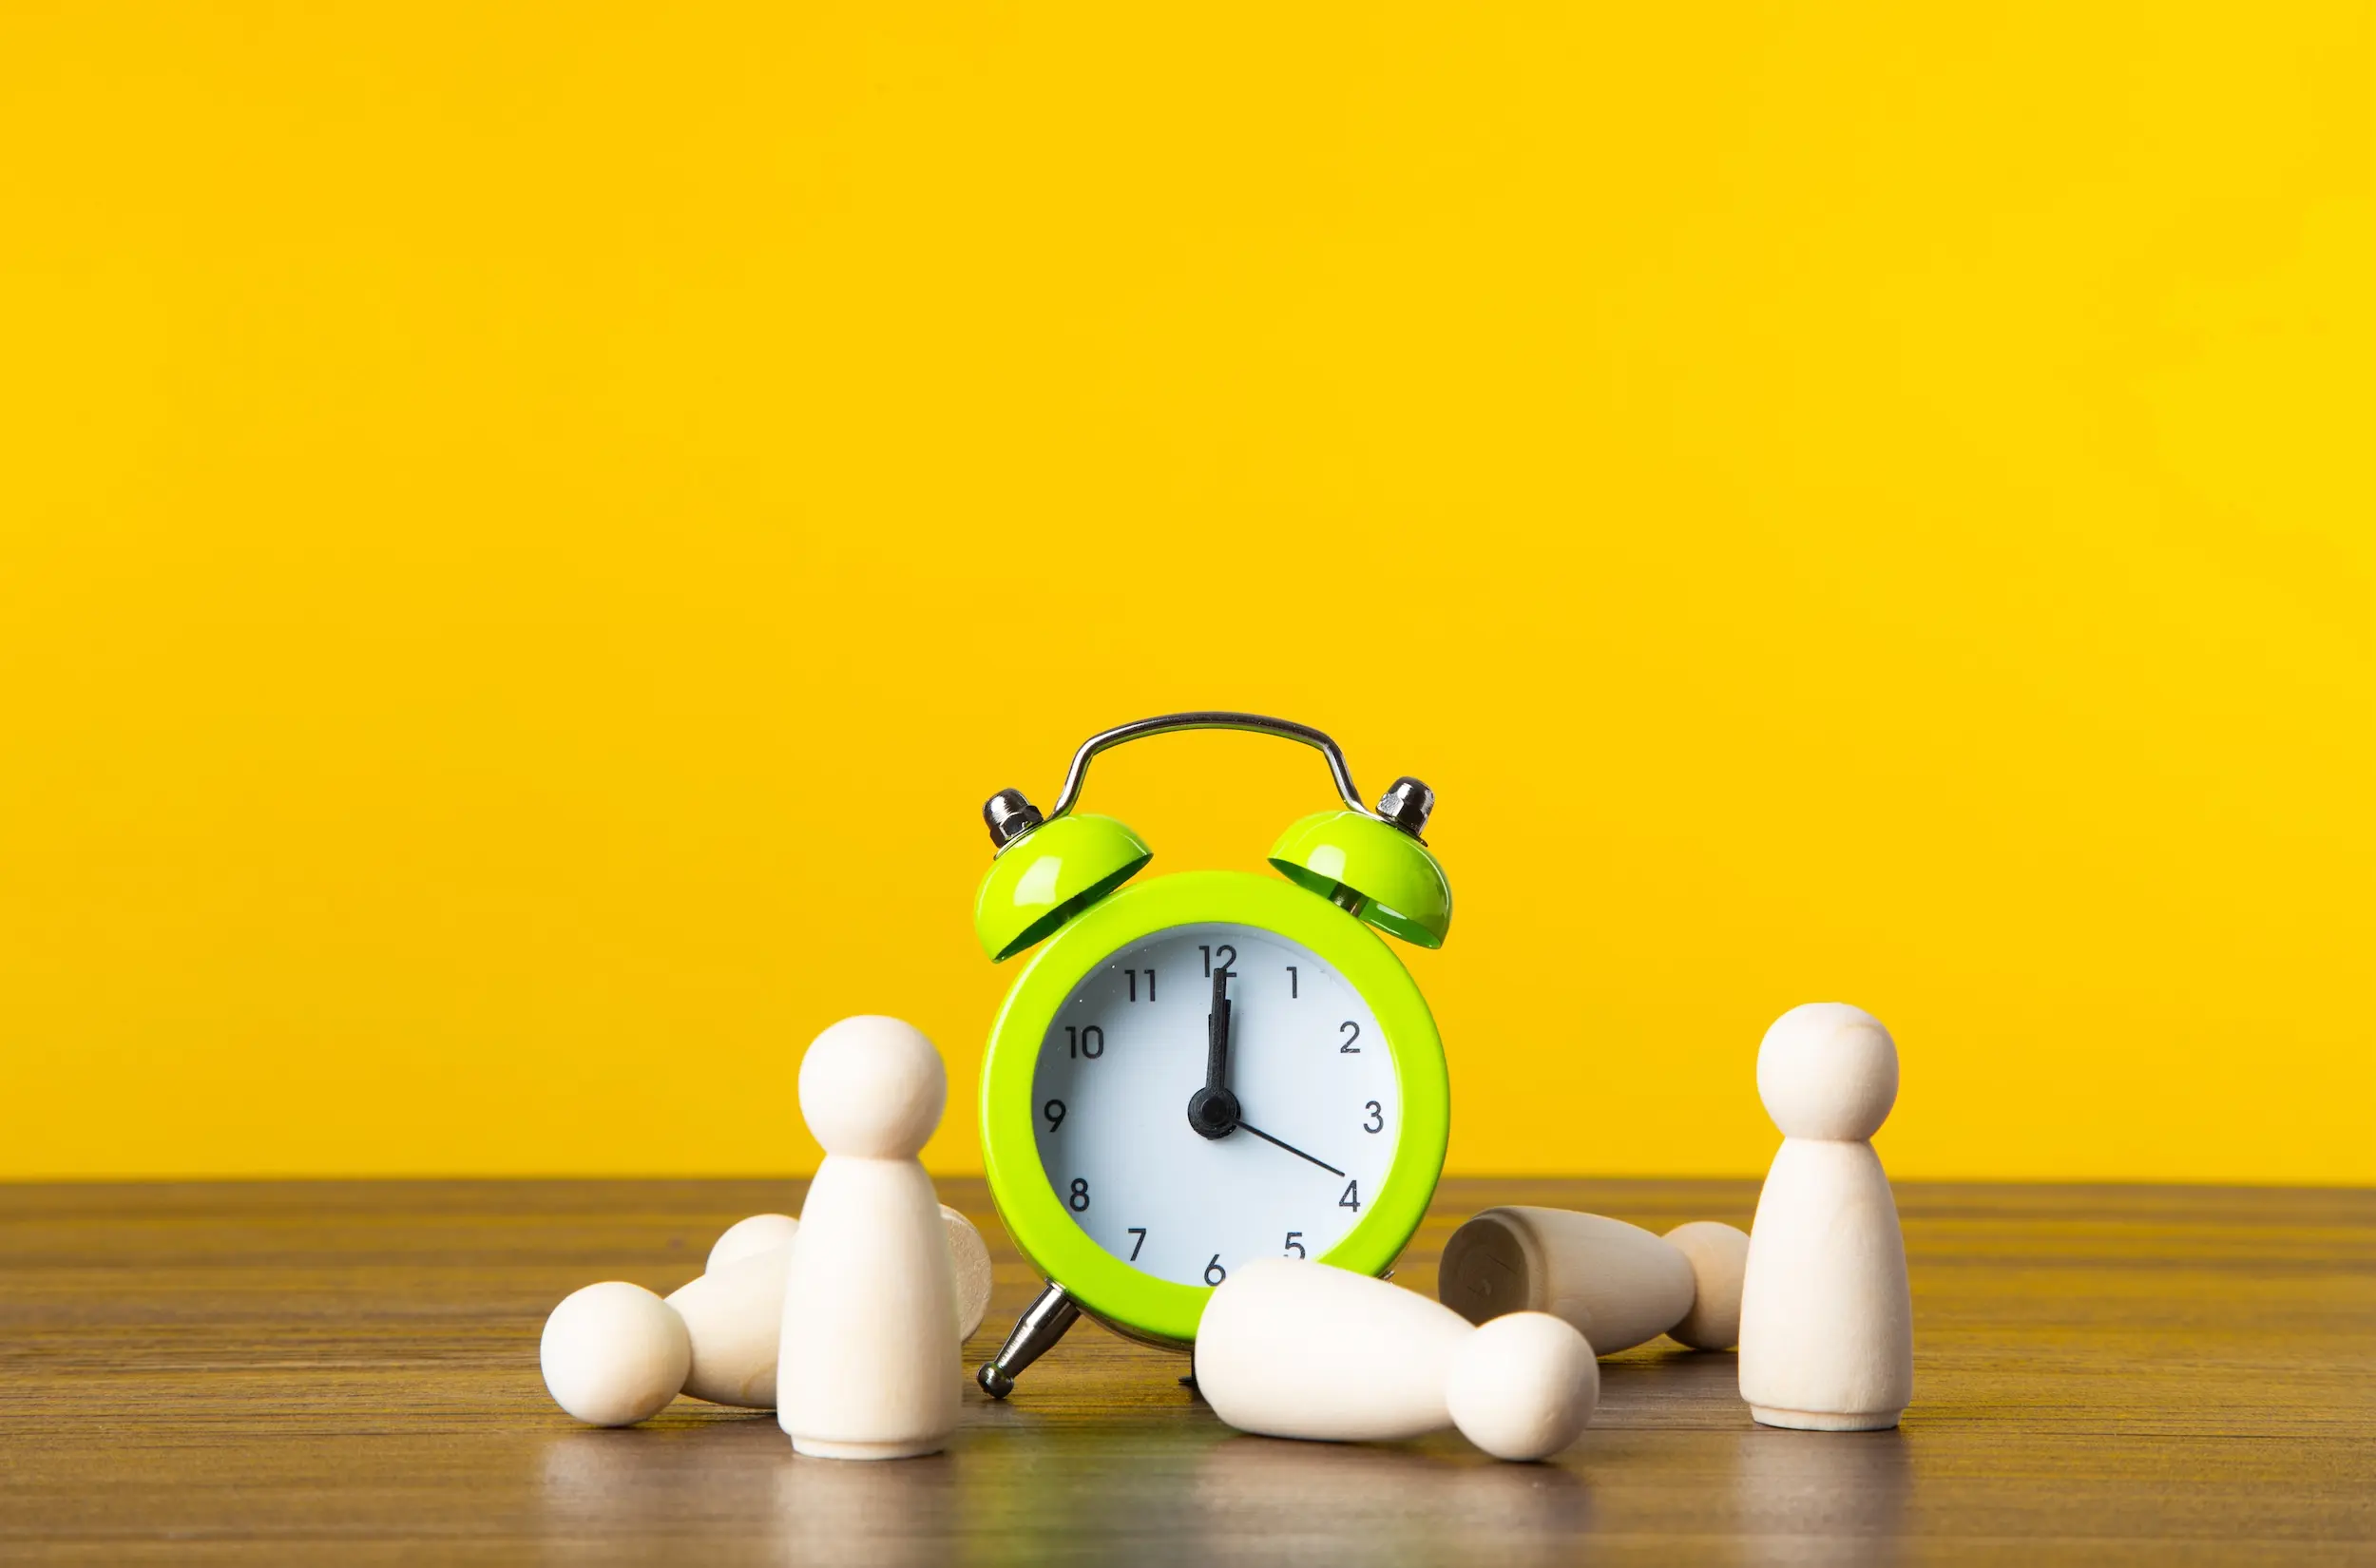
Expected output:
(1054, 1111)
(1377, 1119)
(1080, 1199)
(1141, 1232)
(1350, 1201)
(1296, 1244)
(1295, 987)
(1132, 975)
(1214, 1273)
(1208, 953)
(1089, 1042)
(1352, 1032)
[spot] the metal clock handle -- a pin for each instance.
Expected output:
(1172, 724)
(1406, 805)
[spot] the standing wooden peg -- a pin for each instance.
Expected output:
(868, 1364)
(1827, 1321)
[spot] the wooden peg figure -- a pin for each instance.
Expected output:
(1827, 1322)
(867, 1366)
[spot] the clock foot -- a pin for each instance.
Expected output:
(1041, 1325)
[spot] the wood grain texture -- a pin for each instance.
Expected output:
(347, 1373)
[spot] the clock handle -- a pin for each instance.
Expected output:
(1171, 723)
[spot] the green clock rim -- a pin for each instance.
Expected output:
(1037, 1218)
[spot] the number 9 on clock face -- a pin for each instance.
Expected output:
(1294, 1045)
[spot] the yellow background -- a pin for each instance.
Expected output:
(525, 536)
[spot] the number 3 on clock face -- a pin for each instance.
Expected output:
(1139, 1189)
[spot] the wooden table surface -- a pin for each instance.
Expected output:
(346, 1373)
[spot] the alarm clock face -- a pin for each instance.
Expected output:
(1337, 1074)
(1319, 1107)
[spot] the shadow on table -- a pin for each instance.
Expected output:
(1042, 1490)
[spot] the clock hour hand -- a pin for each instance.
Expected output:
(1213, 1110)
(1290, 1148)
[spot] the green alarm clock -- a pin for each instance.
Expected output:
(1208, 1067)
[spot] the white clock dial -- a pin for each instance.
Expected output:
(1319, 1109)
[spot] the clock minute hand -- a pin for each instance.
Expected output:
(1247, 1126)
(1213, 1110)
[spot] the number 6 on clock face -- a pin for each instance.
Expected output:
(1314, 1112)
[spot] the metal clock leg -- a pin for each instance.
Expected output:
(1041, 1325)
